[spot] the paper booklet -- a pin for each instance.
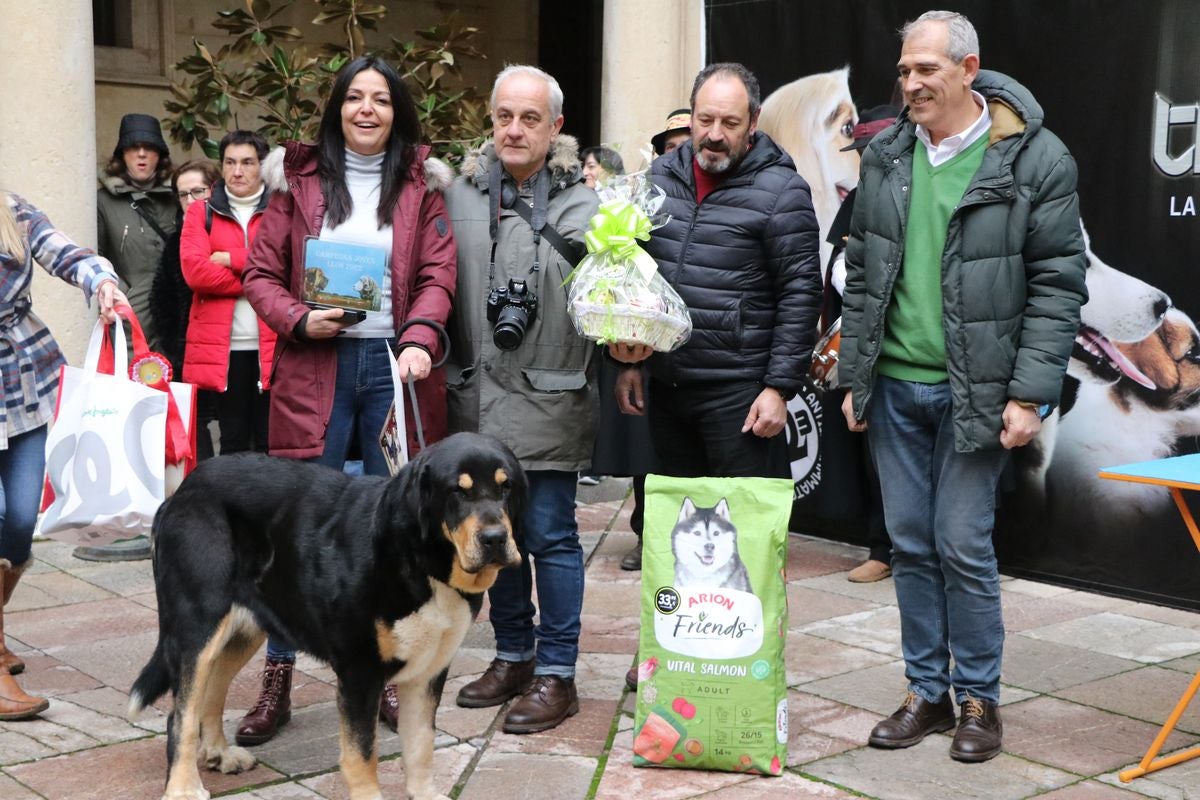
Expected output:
(343, 275)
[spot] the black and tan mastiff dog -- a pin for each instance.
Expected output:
(378, 577)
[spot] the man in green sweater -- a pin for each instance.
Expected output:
(964, 277)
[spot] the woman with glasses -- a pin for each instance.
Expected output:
(229, 349)
(171, 297)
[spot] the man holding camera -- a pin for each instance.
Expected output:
(519, 371)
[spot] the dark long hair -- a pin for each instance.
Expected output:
(398, 156)
(115, 168)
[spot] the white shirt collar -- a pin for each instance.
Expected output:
(951, 146)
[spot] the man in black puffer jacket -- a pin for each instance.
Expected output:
(741, 249)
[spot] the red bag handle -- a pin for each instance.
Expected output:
(179, 447)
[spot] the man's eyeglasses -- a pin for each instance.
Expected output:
(196, 194)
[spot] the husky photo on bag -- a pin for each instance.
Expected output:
(712, 689)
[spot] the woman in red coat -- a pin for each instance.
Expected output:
(367, 182)
(228, 349)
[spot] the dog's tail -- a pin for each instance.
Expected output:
(151, 684)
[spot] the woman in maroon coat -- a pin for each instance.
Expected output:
(368, 183)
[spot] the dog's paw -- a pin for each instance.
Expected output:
(229, 760)
(187, 794)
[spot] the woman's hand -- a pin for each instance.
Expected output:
(325, 323)
(108, 296)
(414, 361)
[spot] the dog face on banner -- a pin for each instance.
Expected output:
(1136, 380)
(812, 118)
(1120, 309)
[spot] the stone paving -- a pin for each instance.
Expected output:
(1087, 682)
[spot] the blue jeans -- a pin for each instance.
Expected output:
(22, 470)
(939, 506)
(362, 395)
(551, 538)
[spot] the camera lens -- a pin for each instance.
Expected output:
(510, 327)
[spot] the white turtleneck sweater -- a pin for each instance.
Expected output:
(244, 334)
(364, 177)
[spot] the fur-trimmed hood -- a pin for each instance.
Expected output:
(563, 160)
(297, 158)
(117, 185)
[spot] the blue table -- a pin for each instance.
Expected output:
(1177, 474)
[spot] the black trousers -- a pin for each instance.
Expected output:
(242, 410)
(697, 432)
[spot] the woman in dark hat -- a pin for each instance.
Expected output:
(135, 216)
(136, 211)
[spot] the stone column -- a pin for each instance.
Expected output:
(47, 139)
(652, 52)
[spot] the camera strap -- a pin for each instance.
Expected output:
(502, 193)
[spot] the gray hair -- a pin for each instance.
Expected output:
(961, 40)
(556, 95)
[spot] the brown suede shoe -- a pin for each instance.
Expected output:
(869, 571)
(913, 721)
(502, 681)
(15, 704)
(980, 731)
(549, 701)
(389, 708)
(274, 707)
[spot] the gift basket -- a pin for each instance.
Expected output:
(616, 293)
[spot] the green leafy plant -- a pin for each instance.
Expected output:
(270, 72)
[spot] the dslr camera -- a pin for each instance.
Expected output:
(511, 310)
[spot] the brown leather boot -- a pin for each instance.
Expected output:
(15, 704)
(549, 701)
(389, 708)
(9, 575)
(502, 681)
(274, 707)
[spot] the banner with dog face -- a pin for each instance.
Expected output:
(1120, 85)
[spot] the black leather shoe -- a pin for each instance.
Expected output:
(913, 721)
(980, 731)
(632, 561)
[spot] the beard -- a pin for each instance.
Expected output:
(726, 158)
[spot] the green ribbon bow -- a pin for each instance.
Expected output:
(616, 229)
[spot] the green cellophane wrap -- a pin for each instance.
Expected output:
(616, 293)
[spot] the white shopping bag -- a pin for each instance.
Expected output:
(393, 439)
(105, 452)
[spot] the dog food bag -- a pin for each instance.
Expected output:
(712, 688)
